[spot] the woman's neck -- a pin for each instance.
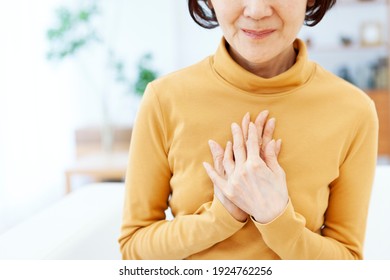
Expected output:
(269, 69)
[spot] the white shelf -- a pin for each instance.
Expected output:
(360, 2)
(352, 48)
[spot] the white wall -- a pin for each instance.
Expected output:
(130, 28)
(163, 28)
(41, 103)
(35, 123)
(194, 42)
(346, 19)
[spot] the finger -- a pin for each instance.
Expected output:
(253, 143)
(271, 157)
(260, 123)
(239, 148)
(278, 147)
(268, 132)
(245, 125)
(228, 161)
(261, 120)
(213, 175)
(217, 153)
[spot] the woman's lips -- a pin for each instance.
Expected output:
(258, 34)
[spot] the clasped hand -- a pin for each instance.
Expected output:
(247, 177)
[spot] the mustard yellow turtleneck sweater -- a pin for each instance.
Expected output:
(329, 133)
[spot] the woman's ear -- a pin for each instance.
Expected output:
(310, 3)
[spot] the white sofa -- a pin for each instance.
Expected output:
(83, 225)
(86, 223)
(377, 244)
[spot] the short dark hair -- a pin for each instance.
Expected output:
(203, 15)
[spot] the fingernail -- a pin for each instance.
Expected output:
(229, 146)
(235, 127)
(271, 146)
(212, 145)
(272, 121)
(207, 167)
(265, 112)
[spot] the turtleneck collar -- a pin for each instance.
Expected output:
(237, 76)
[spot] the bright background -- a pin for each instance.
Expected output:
(43, 102)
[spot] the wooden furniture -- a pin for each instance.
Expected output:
(95, 162)
(358, 52)
(89, 140)
(109, 167)
(382, 103)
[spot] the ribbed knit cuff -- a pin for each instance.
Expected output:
(284, 230)
(223, 215)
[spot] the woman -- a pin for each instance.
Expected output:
(255, 198)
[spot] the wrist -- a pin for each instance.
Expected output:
(262, 219)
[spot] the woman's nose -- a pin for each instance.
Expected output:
(257, 9)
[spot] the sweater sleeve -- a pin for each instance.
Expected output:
(343, 233)
(145, 234)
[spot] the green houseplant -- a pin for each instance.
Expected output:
(74, 31)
